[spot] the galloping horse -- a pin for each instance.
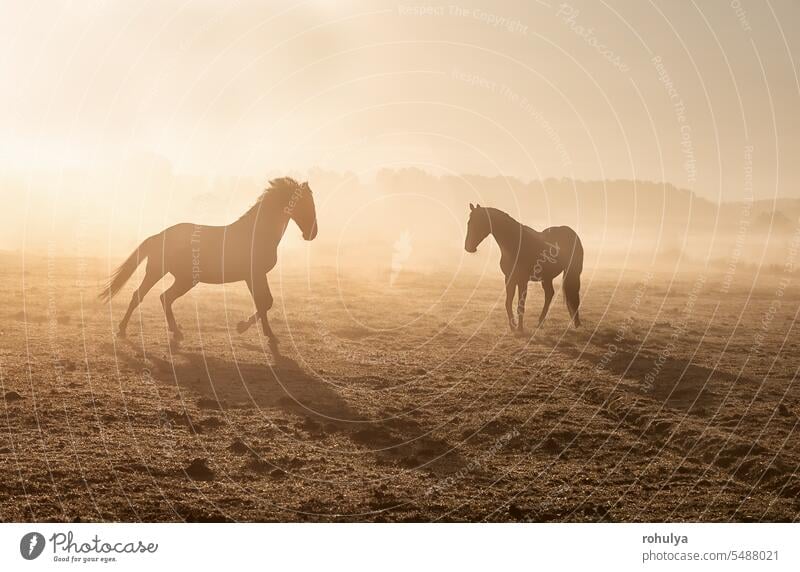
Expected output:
(528, 255)
(244, 250)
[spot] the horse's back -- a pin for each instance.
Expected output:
(199, 252)
(568, 243)
(563, 236)
(186, 236)
(551, 251)
(562, 232)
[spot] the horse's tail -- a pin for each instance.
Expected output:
(126, 270)
(572, 279)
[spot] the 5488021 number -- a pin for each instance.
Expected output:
(754, 555)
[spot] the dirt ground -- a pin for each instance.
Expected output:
(676, 400)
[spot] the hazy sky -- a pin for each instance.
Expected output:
(673, 90)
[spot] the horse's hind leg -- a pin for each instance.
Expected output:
(151, 277)
(180, 287)
(547, 286)
(572, 287)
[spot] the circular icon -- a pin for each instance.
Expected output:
(31, 545)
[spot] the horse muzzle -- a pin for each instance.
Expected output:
(312, 234)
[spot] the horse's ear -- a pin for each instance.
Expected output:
(471, 207)
(477, 206)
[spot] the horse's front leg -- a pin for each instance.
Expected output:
(523, 294)
(264, 298)
(244, 325)
(511, 286)
(259, 288)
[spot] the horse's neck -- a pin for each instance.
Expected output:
(506, 231)
(267, 222)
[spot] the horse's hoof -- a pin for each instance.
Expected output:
(177, 336)
(242, 326)
(121, 334)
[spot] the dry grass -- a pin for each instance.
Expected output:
(413, 402)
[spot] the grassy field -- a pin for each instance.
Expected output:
(676, 400)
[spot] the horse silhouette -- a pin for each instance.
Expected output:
(244, 250)
(529, 255)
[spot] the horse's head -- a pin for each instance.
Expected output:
(478, 227)
(302, 211)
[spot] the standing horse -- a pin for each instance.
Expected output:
(528, 255)
(244, 250)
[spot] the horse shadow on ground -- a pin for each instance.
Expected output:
(284, 386)
(649, 371)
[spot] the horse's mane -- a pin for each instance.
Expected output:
(282, 185)
(504, 215)
(512, 221)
